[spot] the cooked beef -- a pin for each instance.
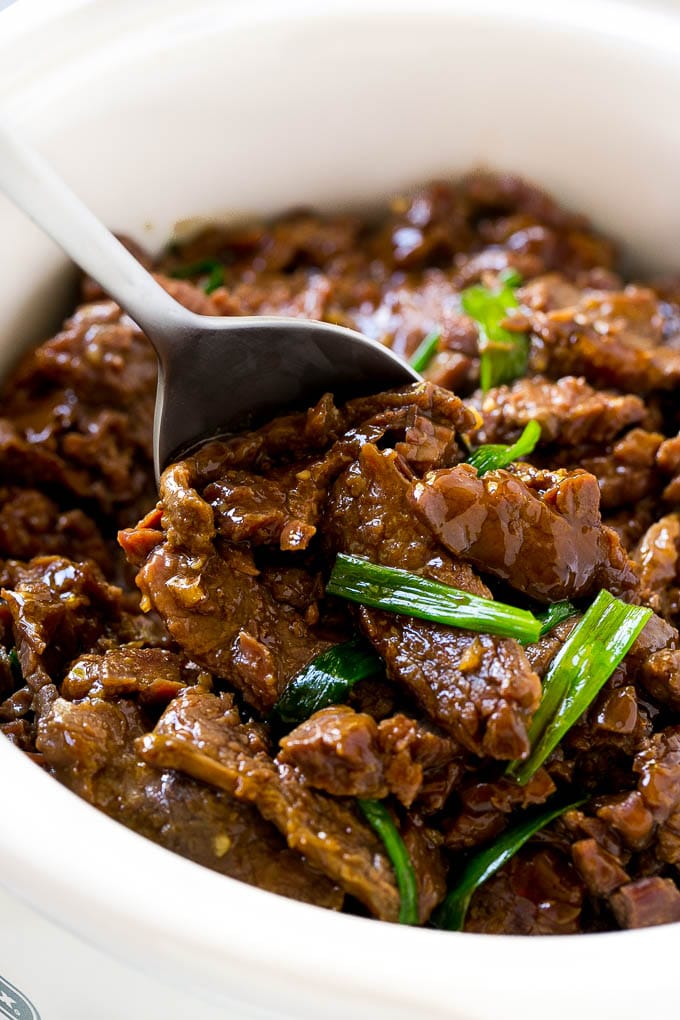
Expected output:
(570, 412)
(537, 893)
(544, 538)
(202, 735)
(486, 807)
(154, 675)
(647, 901)
(658, 557)
(614, 339)
(90, 746)
(348, 754)
(478, 688)
(163, 712)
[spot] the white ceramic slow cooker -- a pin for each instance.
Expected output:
(157, 110)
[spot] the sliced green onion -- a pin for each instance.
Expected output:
(555, 614)
(380, 820)
(199, 268)
(499, 455)
(503, 355)
(327, 680)
(399, 591)
(215, 280)
(425, 351)
(510, 277)
(451, 914)
(584, 663)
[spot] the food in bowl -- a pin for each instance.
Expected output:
(412, 655)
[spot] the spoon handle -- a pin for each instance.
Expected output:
(32, 184)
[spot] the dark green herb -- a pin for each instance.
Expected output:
(399, 591)
(198, 268)
(503, 355)
(510, 277)
(499, 455)
(451, 914)
(327, 680)
(425, 352)
(380, 820)
(215, 280)
(554, 614)
(584, 663)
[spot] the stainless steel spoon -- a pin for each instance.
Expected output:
(217, 374)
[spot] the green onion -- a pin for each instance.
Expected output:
(199, 268)
(326, 680)
(451, 914)
(499, 455)
(584, 663)
(425, 352)
(380, 820)
(554, 614)
(215, 280)
(503, 355)
(399, 591)
(510, 277)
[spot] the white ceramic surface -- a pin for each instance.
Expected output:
(164, 109)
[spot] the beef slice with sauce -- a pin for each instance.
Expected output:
(548, 543)
(569, 411)
(477, 687)
(196, 567)
(90, 747)
(349, 754)
(201, 735)
(211, 598)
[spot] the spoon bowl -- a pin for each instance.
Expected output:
(217, 375)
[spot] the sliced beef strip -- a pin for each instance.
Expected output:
(58, 609)
(90, 747)
(348, 754)
(202, 735)
(626, 470)
(614, 339)
(249, 508)
(79, 410)
(486, 806)
(549, 544)
(422, 764)
(568, 410)
(32, 524)
(225, 619)
(478, 688)
(650, 814)
(600, 870)
(337, 750)
(156, 675)
(660, 677)
(537, 893)
(423, 845)
(658, 557)
(647, 901)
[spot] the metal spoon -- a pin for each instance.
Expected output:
(217, 374)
